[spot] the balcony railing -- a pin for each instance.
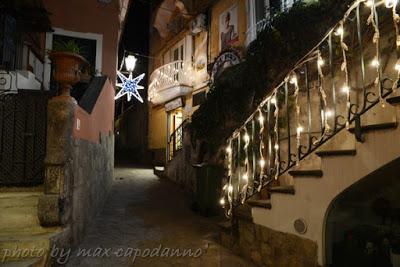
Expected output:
(354, 68)
(177, 75)
(175, 140)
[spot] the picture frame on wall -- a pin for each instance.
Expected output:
(228, 28)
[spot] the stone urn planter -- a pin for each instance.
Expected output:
(67, 69)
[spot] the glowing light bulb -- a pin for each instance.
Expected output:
(369, 3)
(222, 201)
(391, 3)
(375, 63)
(262, 163)
(228, 150)
(273, 100)
(293, 80)
(300, 129)
(261, 119)
(276, 146)
(246, 138)
(339, 31)
(230, 188)
(321, 62)
(345, 89)
(245, 177)
(328, 114)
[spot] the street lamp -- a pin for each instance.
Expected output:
(130, 63)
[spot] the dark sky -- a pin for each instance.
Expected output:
(135, 39)
(136, 33)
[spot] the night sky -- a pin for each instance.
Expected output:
(136, 33)
(135, 39)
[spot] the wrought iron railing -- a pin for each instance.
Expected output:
(355, 67)
(175, 140)
(177, 73)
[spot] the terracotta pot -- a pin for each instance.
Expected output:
(67, 69)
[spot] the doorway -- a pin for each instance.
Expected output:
(363, 222)
(175, 120)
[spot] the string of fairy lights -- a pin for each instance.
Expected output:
(228, 192)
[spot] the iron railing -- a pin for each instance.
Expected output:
(354, 68)
(175, 140)
(23, 125)
(177, 73)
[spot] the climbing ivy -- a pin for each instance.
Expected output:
(237, 92)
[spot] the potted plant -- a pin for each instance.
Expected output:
(67, 61)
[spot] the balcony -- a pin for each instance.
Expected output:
(170, 81)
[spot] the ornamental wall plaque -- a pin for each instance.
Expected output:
(224, 60)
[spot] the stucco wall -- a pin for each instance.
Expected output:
(101, 120)
(157, 128)
(90, 16)
(217, 10)
(314, 196)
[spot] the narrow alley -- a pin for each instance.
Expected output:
(143, 212)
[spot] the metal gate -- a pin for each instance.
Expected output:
(23, 127)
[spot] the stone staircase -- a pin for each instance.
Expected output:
(23, 242)
(307, 190)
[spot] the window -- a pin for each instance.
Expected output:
(91, 44)
(260, 12)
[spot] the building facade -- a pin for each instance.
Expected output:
(191, 43)
(57, 148)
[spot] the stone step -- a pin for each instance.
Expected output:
(23, 246)
(306, 173)
(330, 153)
(376, 126)
(282, 190)
(393, 100)
(260, 203)
(343, 143)
(18, 210)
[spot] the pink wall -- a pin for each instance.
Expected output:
(101, 120)
(92, 17)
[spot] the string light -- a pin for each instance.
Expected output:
(276, 130)
(339, 31)
(372, 20)
(245, 176)
(391, 3)
(292, 78)
(261, 149)
(262, 163)
(369, 3)
(320, 63)
(222, 201)
(345, 89)
(375, 63)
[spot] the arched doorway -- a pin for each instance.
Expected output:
(363, 222)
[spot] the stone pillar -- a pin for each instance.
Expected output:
(54, 206)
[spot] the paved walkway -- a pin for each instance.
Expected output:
(146, 216)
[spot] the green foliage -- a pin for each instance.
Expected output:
(70, 46)
(237, 92)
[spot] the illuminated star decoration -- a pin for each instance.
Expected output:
(129, 86)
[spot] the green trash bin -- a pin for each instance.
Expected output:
(208, 191)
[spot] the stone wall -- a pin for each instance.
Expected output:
(267, 247)
(92, 170)
(180, 168)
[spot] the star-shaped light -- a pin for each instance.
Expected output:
(129, 86)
